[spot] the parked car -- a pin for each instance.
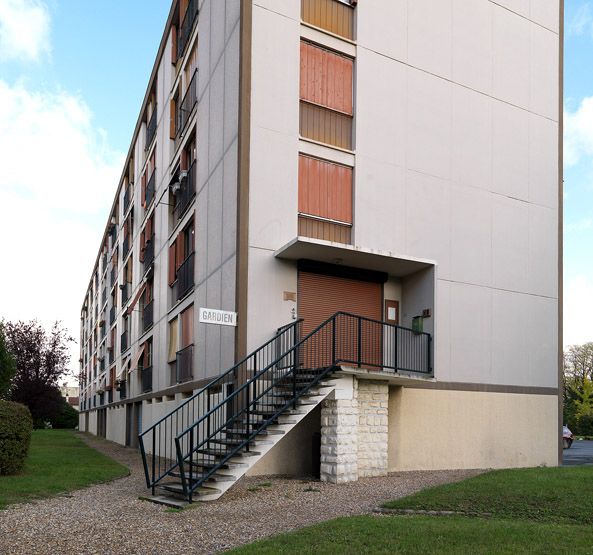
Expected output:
(566, 437)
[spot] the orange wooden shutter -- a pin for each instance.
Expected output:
(142, 246)
(187, 327)
(325, 189)
(172, 267)
(326, 78)
(143, 189)
(179, 251)
(173, 44)
(172, 122)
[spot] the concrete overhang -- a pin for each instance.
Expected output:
(399, 378)
(353, 256)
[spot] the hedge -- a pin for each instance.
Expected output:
(16, 426)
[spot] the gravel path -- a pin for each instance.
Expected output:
(109, 518)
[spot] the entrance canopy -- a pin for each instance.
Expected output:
(348, 255)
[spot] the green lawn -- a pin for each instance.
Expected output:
(536, 510)
(58, 462)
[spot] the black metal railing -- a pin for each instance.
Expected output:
(111, 352)
(185, 277)
(271, 380)
(190, 99)
(186, 193)
(104, 296)
(102, 365)
(148, 254)
(150, 129)
(110, 396)
(113, 276)
(184, 364)
(147, 316)
(124, 341)
(126, 246)
(104, 263)
(186, 27)
(122, 390)
(150, 189)
(157, 443)
(112, 312)
(146, 379)
(125, 293)
(127, 198)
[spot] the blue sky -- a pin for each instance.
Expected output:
(72, 76)
(578, 170)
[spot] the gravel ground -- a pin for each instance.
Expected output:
(109, 518)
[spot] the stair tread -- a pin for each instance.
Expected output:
(216, 477)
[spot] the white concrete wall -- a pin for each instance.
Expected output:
(456, 155)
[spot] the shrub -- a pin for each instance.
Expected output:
(16, 425)
(585, 425)
(67, 419)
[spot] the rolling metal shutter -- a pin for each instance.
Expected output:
(320, 296)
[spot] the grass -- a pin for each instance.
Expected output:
(557, 495)
(535, 510)
(58, 462)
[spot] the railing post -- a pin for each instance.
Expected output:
(395, 348)
(334, 319)
(153, 455)
(359, 339)
(191, 466)
(429, 358)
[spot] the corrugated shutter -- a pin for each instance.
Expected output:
(172, 269)
(320, 296)
(172, 354)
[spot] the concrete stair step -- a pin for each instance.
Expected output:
(167, 501)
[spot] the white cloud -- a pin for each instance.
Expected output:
(578, 307)
(582, 21)
(57, 181)
(24, 30)
(578, 132)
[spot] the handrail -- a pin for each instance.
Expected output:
(165, 427)
(308, 366)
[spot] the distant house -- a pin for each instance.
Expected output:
(71, 394)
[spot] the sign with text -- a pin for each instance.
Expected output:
(220, 317)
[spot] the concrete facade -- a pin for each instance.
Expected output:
(455, 197)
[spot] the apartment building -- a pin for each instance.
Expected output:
(335, 247)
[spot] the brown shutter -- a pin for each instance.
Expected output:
(172, 267)
(142, 246)
(148, 234)
(173, 341)
(143, 189)
(187, 327)
(172, 118)
(325, 189)
(179, 251)
(173, 44)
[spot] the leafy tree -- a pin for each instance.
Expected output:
(41, 359)
(7, 366)
(67, 418)
(583, 398)
(578, 362)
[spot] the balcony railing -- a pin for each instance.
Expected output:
(150, 189)
(126, 246)
(125, 293)
(113, 276)
(110, 396)
(124, 341)
(104, 296)
(122, 390)
(127, 199)
(186, 192)
(102, 365)
(185, 277)
(186, 27)
(187, 104)
(148, 253)
(184, 364)
(112, 315)
(104, 263)
(147, 316)
(111, 355)
(150, 129)
(147, 379)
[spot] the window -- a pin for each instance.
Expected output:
(146, 254)
(148, 182)
(180, 251)
(326, 86)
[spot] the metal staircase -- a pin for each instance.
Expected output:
(202, 447)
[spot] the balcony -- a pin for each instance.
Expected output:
(147, 316)
(186, 27)
(111, 355)
(102, 365)
(147, 379)
(110, 396)
(124, 341)
(184, 364)
(104, 296)
(113, 276)
(125, 246)
(125, 293)
(122, 390)
(112, 315)
(185, 278)
(186, 192)
(127, 199)
(148, 254)
(150, 189)
(151, 129)
(187, 105)
(104, 262)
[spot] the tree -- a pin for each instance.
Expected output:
(7, 366)
(41, 359)
(578, 363)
